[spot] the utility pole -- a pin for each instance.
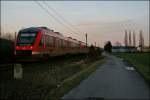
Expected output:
(15, 39)
(86, 39)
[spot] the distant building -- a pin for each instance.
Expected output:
(124, 49)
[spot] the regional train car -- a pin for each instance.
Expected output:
(43, 42)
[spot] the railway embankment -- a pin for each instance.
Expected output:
(49, 79)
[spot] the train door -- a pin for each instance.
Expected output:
(41, 44)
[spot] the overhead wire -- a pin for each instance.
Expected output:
(61, 17)
(51, 15)
(58, 20)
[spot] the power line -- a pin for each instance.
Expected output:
(62, 18)
(47, 11)
(53, 16)
(58, 15)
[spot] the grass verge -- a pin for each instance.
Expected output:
(141, 62)
(47, 80)
(74, 80)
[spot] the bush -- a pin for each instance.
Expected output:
(108, 46)
(94, 52)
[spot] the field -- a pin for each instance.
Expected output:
(141, 62)
(48, 80)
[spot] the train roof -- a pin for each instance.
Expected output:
(35, 29)
(31, 29)
(52, 33)
(58, 33)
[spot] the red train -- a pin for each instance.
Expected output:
(41, 41)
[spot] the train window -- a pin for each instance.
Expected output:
(40, 44)
(45, 38)
(41, 41)
(71, 44)
(26, 38)
(51, 41)
(74, 45)
(54, 42)
(57, 42)
(46, 41)
(63, 43)
(68, 45)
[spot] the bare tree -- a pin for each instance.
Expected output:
(129, 38)
(141, 40)
(126, 38)
(8, 36)
(134, 39)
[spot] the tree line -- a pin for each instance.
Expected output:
(128, 41)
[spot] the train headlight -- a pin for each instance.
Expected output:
(31, 47)
(17, 47)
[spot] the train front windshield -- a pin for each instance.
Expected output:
(26, 39)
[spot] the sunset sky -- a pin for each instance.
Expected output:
(101, 20)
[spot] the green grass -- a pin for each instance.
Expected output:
(74, 80)
(141, 62)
